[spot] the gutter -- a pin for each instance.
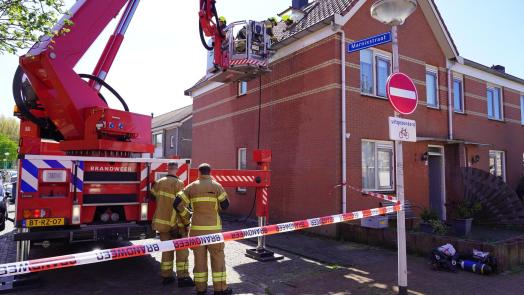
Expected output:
(450, 104)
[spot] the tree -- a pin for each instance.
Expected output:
(22, 22)
(8, 146)
(10, 127)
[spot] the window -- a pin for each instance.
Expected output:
(172, 141)
(497, 165)
(158, 140)
(431, 89)
(377, 165)
(374, 72)
(242, 88)
(241, 164)
(458, 96)
(494, 103)
(522, 110)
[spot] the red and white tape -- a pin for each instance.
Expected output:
(96, 256)
(376, 195)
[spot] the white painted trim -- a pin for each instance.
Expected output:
(206, 88)
(433, 70)
(490, 86)
(443, 159)
(103, 159)
(487, 77)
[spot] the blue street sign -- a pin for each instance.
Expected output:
(369, 42)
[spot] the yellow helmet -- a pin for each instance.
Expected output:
(222, 19)
(286, 18)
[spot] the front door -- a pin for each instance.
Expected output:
(436, 180)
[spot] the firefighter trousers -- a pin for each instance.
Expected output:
(182, 257)
(218, 265)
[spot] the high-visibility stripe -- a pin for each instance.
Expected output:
(222, 197)
(166, 265)
(183, 196)
(219, 274)
(203, 199)
(182, 263)
(161, 221)
(206, 227)
(219, 277)
(200, 280)
(185, 267)
(200, 274)
(184, 213)
(165, 194)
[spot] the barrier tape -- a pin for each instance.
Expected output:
(96, 256)
(376, 195)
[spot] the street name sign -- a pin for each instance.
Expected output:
(369, 42)
(402, 93)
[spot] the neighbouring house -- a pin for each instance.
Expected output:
(172, 133)
(469, 115)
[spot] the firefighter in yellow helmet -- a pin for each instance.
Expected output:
(171, 226)
(207, 198)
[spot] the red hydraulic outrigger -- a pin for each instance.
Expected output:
(80, 160)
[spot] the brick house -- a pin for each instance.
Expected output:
(172, 133)
(469, 115)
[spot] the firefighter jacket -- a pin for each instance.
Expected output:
(206, 197)
(166, 219)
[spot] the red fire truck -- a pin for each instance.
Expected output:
(85, 171)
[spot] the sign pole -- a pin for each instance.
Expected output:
(399, 170)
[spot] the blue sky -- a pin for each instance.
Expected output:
(161, 55)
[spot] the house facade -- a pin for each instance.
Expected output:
(469, 115)
(172, 134)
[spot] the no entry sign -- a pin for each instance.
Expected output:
(402, 93)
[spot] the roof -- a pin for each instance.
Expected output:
(176, 116)
(484, 68)
(316, 12)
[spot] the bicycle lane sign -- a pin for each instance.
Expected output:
(402, 129)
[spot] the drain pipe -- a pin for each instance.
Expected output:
(344, 180)
(450, 104)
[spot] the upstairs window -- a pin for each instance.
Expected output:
(458, 96)
(432, 88)
(494, 103)
(374, 72)
(242, 88)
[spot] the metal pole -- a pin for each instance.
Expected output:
(399, 170)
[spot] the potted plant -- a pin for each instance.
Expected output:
(427, 217)
(466, 210)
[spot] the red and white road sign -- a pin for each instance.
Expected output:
(402, 93)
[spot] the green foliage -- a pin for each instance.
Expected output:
(10, 127)
(468, 209)
(439, 227)
(7, 146)
(22, 22)
(428, 215)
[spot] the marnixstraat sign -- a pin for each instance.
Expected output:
(402, 129)
(369, 42)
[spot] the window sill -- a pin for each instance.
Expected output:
(433, 107)
(497, 120)
(460, 113)
(373, 96)
(240, 95)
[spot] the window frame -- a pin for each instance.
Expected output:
(462, 100)
(378, 145)
(155, 142)
(242, 190)
(241, 91)
(503, 162)
(375, 56)
(431, 70)
(522, 109)
(491, 87)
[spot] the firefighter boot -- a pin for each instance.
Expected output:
(185, 282)
(227, 291)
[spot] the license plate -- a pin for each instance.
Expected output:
(39, 222)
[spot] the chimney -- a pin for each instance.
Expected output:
(499, 68)
(299, 4)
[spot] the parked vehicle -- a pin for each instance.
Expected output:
(3, 208)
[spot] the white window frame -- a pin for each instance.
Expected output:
(503, 162)
(522, 109)
(433, 71)
(241, 158)
(462, 100)
(376, 54)
(171, 141)
(242, 88)
(155, 142)
(385, 145)
(495, 88)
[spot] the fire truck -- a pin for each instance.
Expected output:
(85, 169)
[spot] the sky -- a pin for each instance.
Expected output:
(162, 56)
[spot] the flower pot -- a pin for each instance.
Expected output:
(462, 227)
(426, 227)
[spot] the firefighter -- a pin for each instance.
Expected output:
(287, 19)
(171, 226)
(207, 198)
(222, 22)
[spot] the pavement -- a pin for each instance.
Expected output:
(311, 265)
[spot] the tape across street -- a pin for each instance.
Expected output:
(96, 256)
